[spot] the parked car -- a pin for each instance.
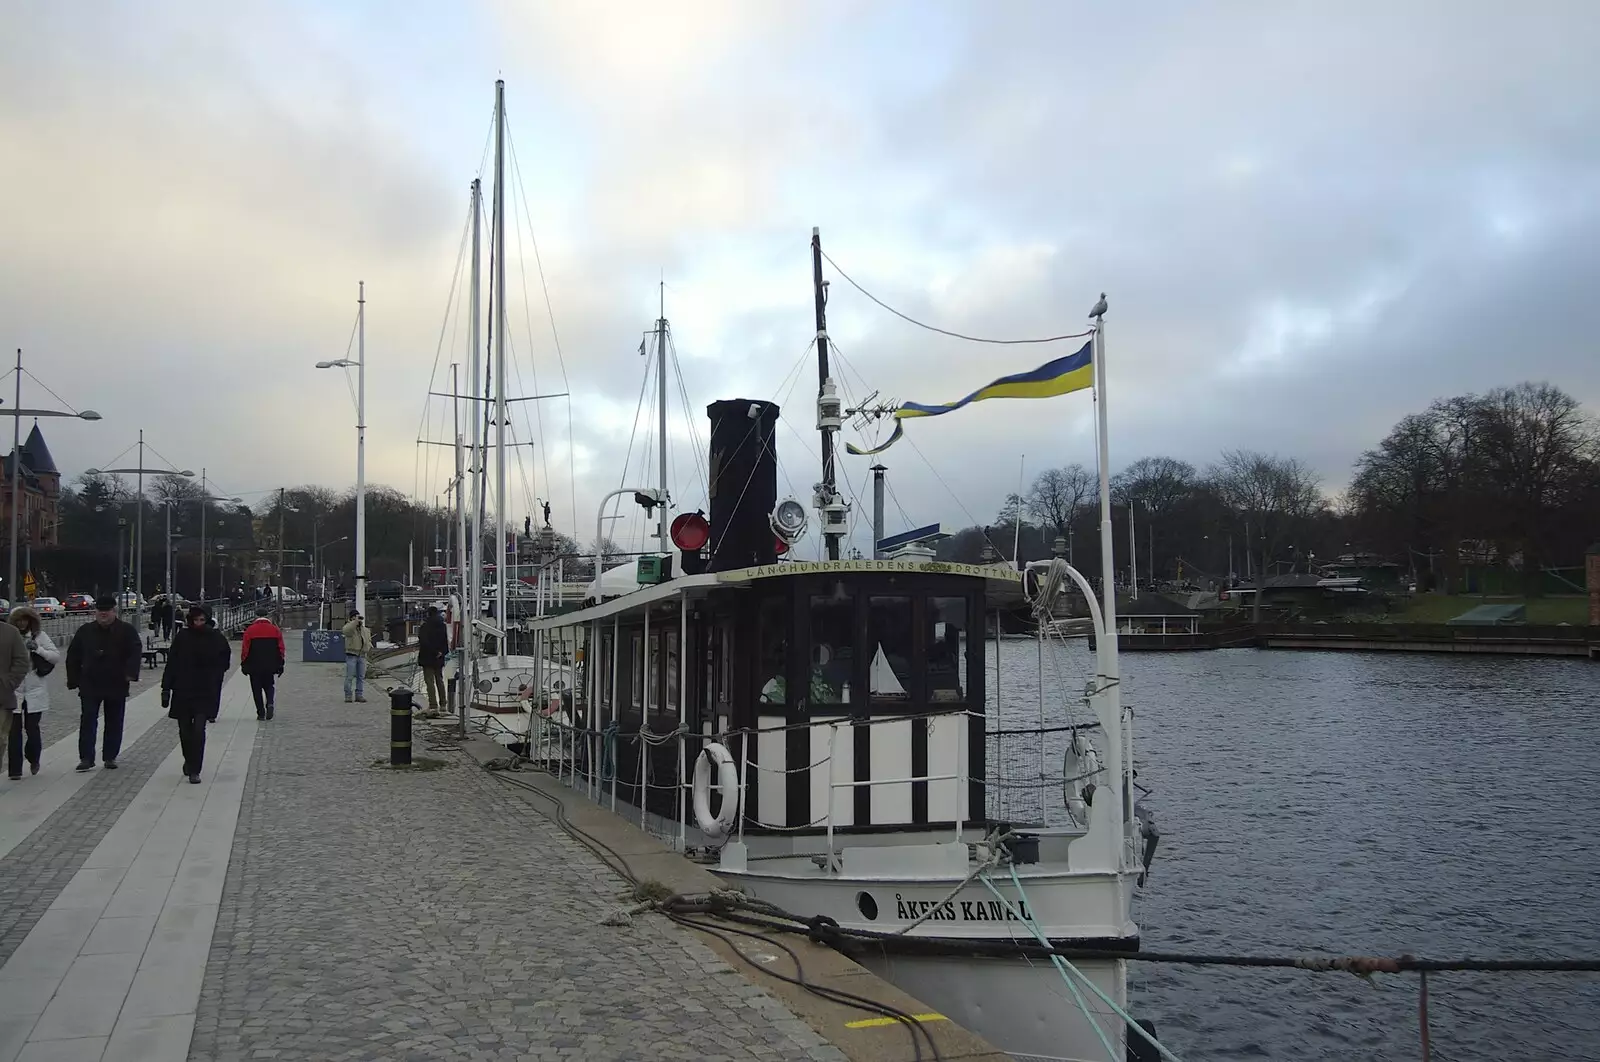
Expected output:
(289, 595)
(385, 588)
(80, 602)
(130, 599)
(49, 606)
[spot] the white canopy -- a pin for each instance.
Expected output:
(615, 582)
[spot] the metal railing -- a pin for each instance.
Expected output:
(1015, 789)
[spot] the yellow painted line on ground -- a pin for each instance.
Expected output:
(878, 1023)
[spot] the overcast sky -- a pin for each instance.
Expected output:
(1310, 219)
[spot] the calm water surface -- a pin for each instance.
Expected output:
(1367, 804)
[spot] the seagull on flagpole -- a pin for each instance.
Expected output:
(1099, 307)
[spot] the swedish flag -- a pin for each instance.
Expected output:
(1073, 372)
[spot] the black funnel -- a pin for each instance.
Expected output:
(744, 483)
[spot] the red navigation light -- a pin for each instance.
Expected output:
(690, 532)
(783, 547)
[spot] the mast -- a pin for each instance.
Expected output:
(1133, 556)
(472, 544)
(877, 509)
(499, 270)
(661, 384)
(827, 419)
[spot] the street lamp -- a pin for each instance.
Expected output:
(360, 365)
(207, 496)
(138, 563)
(16, 413)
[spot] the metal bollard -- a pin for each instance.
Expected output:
(400, 703)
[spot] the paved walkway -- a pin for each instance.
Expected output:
(308, 903)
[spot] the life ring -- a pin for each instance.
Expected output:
(1079, 766)
(716, 828)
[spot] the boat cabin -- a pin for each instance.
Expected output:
(850, 693)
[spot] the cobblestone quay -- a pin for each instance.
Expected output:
(370, 913)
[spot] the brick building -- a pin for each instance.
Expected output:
(40, 493)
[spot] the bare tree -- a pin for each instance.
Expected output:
(1057, 494)
(1158, 485)
(1276, 495)
(174, 489)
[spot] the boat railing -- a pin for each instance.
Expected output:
(1025, 780)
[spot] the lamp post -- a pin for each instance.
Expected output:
(360, 365)
(138, 533)
(206, 496)
(16, 413)
(282, 587)
(316, 560)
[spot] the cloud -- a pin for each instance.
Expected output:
(1308, 223)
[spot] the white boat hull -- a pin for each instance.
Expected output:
(1026, 1010)
(1024, 1007)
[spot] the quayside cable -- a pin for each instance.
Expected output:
(617, 862)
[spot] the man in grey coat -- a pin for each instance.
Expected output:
(14, 666)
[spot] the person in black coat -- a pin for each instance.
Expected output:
(191, 685)
(102, 660)
(433, 646)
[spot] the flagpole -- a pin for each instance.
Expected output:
(1110, 693)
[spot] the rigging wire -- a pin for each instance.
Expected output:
(452, 306)
(945, 331)
(700, 447)
(527, 316)
(555, 336)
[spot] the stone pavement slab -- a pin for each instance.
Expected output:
(375, 914)
(112, 969)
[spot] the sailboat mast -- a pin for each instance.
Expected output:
(472, 552)
(661, 384)
(500, 570)
(828, 493)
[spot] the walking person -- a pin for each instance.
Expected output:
(33, 697)
(433, 645)
(191, 685)
(102, 661)
(15, 664)
(261, 656)
(161, 617)
(357, 644)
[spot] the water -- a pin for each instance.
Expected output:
(1369, 804)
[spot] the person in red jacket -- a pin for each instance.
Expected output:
(261, 656)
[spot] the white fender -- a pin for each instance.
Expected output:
(716, 828)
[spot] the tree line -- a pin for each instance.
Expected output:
(1508, 479)
(317, 526)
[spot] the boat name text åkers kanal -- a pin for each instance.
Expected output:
(766, 571)
(960, 910)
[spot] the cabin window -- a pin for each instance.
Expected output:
(670, 639)
(946, 639)
(721, 672)
(608, 648)
(773, 633)
(636, 668)
(889, 641)
(653, 672)
(833, 635)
